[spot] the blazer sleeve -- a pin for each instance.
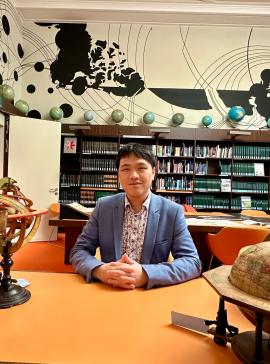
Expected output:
(82, 255)
(186, 264)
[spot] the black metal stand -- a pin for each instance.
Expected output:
(222, 332)
(253, 347)
(11, 294)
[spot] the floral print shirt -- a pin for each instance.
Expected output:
(134, 230)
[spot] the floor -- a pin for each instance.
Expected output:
(42, 257)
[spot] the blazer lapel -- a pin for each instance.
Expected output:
(151, 229)
(118, 219)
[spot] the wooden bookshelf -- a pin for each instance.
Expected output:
(210, 169)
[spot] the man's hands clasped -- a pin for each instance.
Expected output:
(125, 273)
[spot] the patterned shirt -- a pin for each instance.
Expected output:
(134, 230)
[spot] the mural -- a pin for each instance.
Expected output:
(197, 71)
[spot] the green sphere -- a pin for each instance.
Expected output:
(149, 118)
(8, 92)
(178, 119)
(117, 115)
(56, 113)
(207, 120)
(22, 106)
(268, 123)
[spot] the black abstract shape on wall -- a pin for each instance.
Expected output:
(98, 63)
(260, 93)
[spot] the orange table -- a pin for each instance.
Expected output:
(70, 321)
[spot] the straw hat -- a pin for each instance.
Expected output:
(247, 282)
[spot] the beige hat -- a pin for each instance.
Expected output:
(247, 282)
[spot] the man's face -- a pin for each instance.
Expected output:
(136, 176)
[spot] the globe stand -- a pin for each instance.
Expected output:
(11, 294)
(253, 347)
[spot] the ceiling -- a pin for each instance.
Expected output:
(226, 12)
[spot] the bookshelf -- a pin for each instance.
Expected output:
(209, 169)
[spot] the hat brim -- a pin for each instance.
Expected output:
(218, 278)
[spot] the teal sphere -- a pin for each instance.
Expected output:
(268, 123)
(56, 113)
(149, 118)
(22, 106)
(88, 116)
(236, 113)
(178, 119)
(117, 115)
(207, 120)
(8, 92)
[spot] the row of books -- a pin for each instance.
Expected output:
(207, 151)
(239, 203)
(99, 180)
(99, 147)
(98, 164)
(88, 197)
(69, 196)
(171, 166)
(242, 169)
(248, 186)
(69, 180)
(210, 202)
(251, 152)
(173, 183)
(170, 150)
(226, 185)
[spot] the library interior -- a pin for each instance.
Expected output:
(135, 182)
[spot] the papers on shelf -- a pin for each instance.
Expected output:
(78, 207)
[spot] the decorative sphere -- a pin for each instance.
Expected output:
(207, 120)
(149, 117)
(22, 106)
(88, 116)
(178, 119)
(236, 113)
(56, 113)
(268, 123)
(117, 115)
(8, 92)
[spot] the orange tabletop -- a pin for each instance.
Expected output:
(69, 321)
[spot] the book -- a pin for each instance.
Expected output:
(245, 202)
(80, 208)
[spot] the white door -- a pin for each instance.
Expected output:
(34, 162)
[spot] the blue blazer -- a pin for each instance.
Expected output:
(166, 231)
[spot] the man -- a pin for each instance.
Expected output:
(136, 231)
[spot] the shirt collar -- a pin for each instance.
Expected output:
(145, 204)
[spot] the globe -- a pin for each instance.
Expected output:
(178, 119)
(207, 120)
(149, 117)
(22, 106)
(56, 113)
(88, 116)
(236, 113)
(8, 92)
(117, 115)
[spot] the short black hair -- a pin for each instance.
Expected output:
(139, 150)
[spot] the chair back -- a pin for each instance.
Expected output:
(225, 245)
(254, 213)
(189, 208)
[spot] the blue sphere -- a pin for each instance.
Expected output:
(207, 120)
(236, 113)
(149, 118)
(117, 115)
(178, 119)
(88, 115)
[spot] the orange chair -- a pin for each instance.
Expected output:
(225, 245)
(258, 213)
(189, 208)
